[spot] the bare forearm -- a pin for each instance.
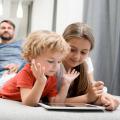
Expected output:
(60, 98)
(34, 95)
(78, 99)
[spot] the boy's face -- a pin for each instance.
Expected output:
(51, 61)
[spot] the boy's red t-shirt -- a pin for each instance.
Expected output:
(26, 79)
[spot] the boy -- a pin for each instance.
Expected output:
(44, 52)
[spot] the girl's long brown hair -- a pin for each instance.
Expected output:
(81, 84)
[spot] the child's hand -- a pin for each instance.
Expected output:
(109, 102)
(95, 91)
(70, 76)
(38, 71)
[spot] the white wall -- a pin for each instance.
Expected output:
(6, 10)
(42, 14)
(68, 11)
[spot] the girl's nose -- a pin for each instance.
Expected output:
(77, 56)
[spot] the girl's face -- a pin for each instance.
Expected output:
(80, 48)
(50, 61)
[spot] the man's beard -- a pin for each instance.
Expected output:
(6, 38)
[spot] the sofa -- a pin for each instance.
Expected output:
(13, 110)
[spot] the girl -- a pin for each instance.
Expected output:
(82, 89)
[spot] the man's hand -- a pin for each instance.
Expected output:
(12, 68)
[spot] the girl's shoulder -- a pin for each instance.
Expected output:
(89, 65)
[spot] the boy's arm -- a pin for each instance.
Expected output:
(32, 96)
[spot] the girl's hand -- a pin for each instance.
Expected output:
(109, 102)
(95, 91)
(70, 76)
(38, 71)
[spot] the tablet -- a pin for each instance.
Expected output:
(72, 106)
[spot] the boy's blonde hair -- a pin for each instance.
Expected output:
(40, 41)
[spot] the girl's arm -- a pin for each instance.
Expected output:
(108, 101)
(67, 79)
(60, 98)
(90, 72)
(90, 97)
(78, 99)
(90, 69)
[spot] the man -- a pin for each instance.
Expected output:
(7, 30)
(10, 50)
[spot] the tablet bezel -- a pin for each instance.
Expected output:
(72, 106)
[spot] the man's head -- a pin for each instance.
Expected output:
(7, 29)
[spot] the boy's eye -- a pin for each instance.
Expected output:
(50, 61)
(73, 50)
(59, 61)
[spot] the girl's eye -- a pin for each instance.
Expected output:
(83, 53)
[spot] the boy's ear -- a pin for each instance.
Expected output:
(30, 59)
(33, 61)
